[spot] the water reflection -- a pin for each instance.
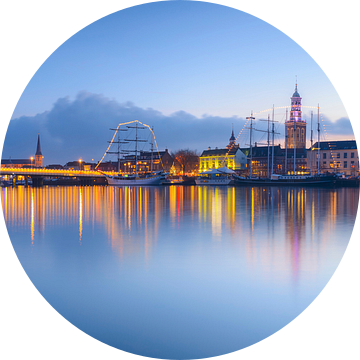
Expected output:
(277, 218)
(166, 266)
(294, 217)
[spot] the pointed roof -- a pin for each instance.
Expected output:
(232, 138)
(296, 94)
(38, 148)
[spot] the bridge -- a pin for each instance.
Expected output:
(38, 174)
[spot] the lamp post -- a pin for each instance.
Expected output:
(80, 164)
(31, 161)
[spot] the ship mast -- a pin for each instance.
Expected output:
(318, 164)
(295, 147)
(268, 148)
(136, 127)
(286, 141)
(268, 142)
(118, 142)
(251, 118)
(152, 151)
(273, 139)
(311, 143)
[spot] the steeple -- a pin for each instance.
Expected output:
(38, 154)
(38, 148)
(296, 94)
(232, 139)
(295, 112)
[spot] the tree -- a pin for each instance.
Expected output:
(186, 161)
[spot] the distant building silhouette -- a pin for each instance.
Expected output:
(25, 163)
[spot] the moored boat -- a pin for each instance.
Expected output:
(221, 176)
(136, 178)
(287, 180)
(182, 180)
(131, 180)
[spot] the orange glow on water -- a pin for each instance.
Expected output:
(132, 218)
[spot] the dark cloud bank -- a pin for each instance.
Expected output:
(80, 129)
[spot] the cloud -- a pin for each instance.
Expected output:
(79, 128)
(340, 127)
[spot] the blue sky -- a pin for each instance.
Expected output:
(178, 65)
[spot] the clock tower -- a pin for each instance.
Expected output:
(295, 128)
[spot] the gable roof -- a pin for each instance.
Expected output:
(16, 161)
(262, 151)
(336, 145)
(220, 152)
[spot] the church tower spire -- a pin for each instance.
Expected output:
(38, 154)
(232, 139)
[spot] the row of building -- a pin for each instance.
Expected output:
(294, 158)
(327, 156)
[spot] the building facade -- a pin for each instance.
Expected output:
(295, 128)
(161, 160)
(232, 157)
(17, 163)
(264, 164)
(334, 157)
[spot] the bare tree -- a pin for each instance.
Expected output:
(186, 161)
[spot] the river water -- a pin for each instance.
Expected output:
(179, 272)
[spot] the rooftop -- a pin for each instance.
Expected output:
(336, 145)
(16, 161)
(220, 152)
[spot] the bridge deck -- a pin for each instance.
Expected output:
(52, 172)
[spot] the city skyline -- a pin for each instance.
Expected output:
(107, 74)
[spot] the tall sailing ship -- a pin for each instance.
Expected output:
(136, 178)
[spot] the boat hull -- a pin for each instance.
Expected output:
(325, 181)
(156, 180)
(212, 181)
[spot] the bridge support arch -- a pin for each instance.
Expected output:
(37, 181)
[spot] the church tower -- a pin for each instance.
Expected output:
(295, 128)
(231, 140)
(38, 154)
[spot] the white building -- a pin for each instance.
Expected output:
(335, 156)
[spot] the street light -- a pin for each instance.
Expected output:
(31, 160)
(80, 164)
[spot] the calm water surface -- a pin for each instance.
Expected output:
(179, 272)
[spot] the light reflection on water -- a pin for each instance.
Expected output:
(179, 272)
